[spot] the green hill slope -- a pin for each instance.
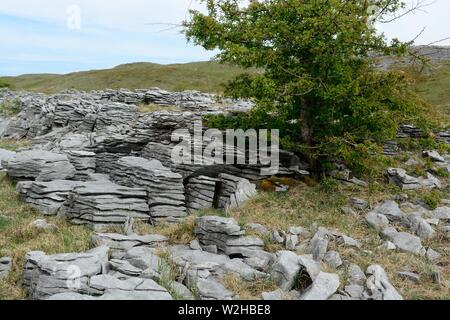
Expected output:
(202, 76)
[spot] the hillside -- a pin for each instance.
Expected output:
(202, 76)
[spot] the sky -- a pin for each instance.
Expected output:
(61, 36)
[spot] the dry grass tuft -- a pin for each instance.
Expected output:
(149, 108)
(248, 290)
(13, 145)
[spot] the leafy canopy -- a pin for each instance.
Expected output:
(316, 80)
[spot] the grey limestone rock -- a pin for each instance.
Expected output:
(5, 267)
(122, 244)
(378, 285)
(39, 165)
(44, 275)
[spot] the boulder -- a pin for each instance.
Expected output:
(285, 270)
(44, 275)
(213, 230)
(112, 288)
(101, 203)
(121, 244)
(355, 275)
(377, 220)
(5, 156)
(165, 189)
(234, 191)
(333, 259)
(323, 287)
(379, 286)
(433, 155)
(39, 165)
(404, 241)
(46, 197)
(5, 267)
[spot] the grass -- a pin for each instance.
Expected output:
(17, 237)
(202, 76)
(434, 87)
(13, 145)
(10, 108)
(311, 207)
(248, 290)
(149, 108)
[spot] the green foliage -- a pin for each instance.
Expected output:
(329, 184)
(432, 199)
(420, 144)
(316, 81)
(4, 84)
(10, 108)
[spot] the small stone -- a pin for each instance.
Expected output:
(258, 228)
(355, 274)
(333, 259)
(195, 245)
(358, 204)
(387, 245)
(354, 290)
(433, 222)
(291, 242)
(5, 267)
(300, 231)
(432, 255)
(409, 276)
(377, 221)
(277, 238)
(128, 226)
(442, 213)
(348, 242)
(41, 224)
(433, 155)
(318, 247)
(436, 276)
(348, 210)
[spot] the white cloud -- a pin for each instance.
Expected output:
(117, 14)
(118, 31)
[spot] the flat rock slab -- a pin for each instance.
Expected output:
(101, 203)
(120, 244)
(47, 197)
(6, 155)
(404, 241)
(5, 267)
(323, 287)
(44, 275)
(39, 165)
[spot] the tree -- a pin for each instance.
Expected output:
(315, 78)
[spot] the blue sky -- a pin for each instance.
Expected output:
(42, 36)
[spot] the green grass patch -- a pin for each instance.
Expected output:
(13, 145)
(17, 237)
(202, 76)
